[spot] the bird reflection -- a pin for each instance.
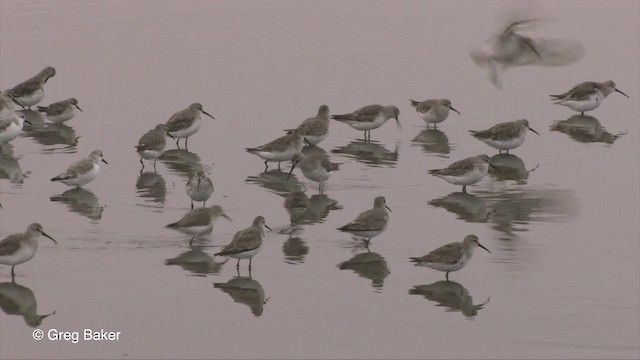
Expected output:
(49, 134)
(509, 167)
(313, 149)
(151, 187)
(509, 48)
(295, 248)
(16, 299)
(585, 129)
(81, 201)
(370, 153)
(196, 261)
(432, 141)
(276, 181)
(468, 207)
(369, 265)
(10, 168)
(513, 209)
(181, 161)
(245, 290)
(451, 295)
(305, 210)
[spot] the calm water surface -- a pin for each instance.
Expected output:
(561, 219)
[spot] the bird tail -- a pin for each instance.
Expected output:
(42, 109)
(172, 225)
(414, 103)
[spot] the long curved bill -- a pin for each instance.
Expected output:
(616, 90)
(484, 248)
(52, 239)
(209, 115)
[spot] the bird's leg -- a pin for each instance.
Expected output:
(191, 241)
(266, 165)
(464, 189)
(142, 163)
(178, 142)
(250, 263)
(447, 276)
(191, 204)
(238, 265)
(279, 166)
(13, 274)
(204, 202)
(154, 165)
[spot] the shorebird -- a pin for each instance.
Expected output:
(315, 129)
(199, 221)
(60, 111)
(19, 248)
(465, 172)
(82, 171)
(315, 167)
(185, 123)
(11, 127)
(433, 111)
(586, 96)
(151, 145)
(199, 188)
(280, 149)
(31, 91)
(504, 136)
(7, 105)
(369, 117)
(370, 223)
(450, 257)
(246, 243)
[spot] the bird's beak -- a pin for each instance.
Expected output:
(621, 92)
(171, 136)
(290, 171)
(265, 225)
(451, 107)
(52, 239)
(16, 101)
(387, 207)
(398, 125)
(534, 131)
(209, 115)
(105, 161)
(496, 168)
(77, 107)
(28, 122)
(484, 248)
(226, 217)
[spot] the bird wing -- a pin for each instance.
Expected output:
(197, 217)
(578, 92)
(458, 168)
(26, 87)
(425, 106)
(10, 244)
(368, 220)
(80, 166)
(365, 114)
(150, 140)
(4, 123)
(55, 108)
(447, 254)
(280, 144)
(180, 120)
(247, 239)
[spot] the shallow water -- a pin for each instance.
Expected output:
(561, 218)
